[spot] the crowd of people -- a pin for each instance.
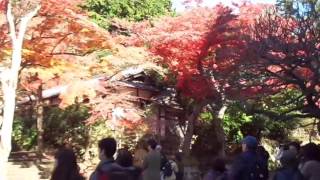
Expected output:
(150, 165)
(297, 163)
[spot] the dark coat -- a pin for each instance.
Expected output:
(106, 167)
(243, 167)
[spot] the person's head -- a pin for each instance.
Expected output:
(124, 158)
(288, 158)
(171, 157)
(218, 164)
(249, 143)
(310, 152)
(152, 144)
(65, 165)
(295, 147)
(107, 148)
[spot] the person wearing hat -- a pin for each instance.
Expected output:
(249, 165)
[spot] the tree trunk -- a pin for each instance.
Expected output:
(188, 136)
(39, 106)
(9, 81)
(6, 129)
(190, 129)
(220, 134)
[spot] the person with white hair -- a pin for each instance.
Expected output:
(158, 148)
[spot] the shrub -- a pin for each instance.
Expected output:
(24, 134)
(67, 127)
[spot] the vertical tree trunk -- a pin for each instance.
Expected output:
(39, 106)
(9, 81)
(6, 129)
(218, 123)
(190, 129)
(188, 136)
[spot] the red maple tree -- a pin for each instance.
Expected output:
(203, 48)
(60, 51)
(56, 45)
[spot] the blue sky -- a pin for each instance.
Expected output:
(177, 4)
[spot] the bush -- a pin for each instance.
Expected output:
(125, 137)
(97, 131)
(132, 10)
(24, 134)
(67, 127)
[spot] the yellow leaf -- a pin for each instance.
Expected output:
(6, 51)
(27, 52)
(84, 30)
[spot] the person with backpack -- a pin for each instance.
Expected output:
(107, 169)
(170, 169)
(289, 169)
(163, 157)
(151, 164)
(249, 165)
(179, 174)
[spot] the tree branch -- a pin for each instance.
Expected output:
(10, 19)
(18, 40)
(282, 117)
(72, 53)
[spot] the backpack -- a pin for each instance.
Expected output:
(167, 169)
(258, 171)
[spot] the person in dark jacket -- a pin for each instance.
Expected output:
(66, 167)
(107, 166)
(125, 160)
(289, 169)
(310, 162)
(152, 162)
(249, 165)
(295, 147)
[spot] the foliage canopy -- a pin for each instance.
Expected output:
(136, 10)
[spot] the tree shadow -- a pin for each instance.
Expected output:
(30, 159)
